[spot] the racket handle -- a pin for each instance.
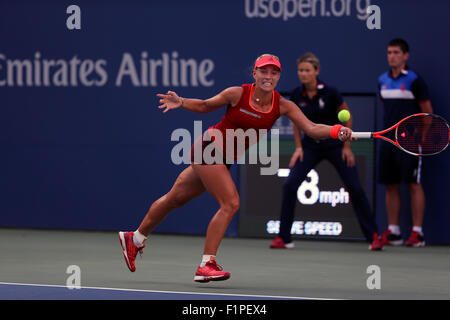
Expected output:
(362, 135)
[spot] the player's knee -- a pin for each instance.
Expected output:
(231, 205)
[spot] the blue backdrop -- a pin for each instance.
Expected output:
(83, 145)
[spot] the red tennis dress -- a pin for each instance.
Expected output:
(241, 126)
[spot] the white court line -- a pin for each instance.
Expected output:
(158, 291)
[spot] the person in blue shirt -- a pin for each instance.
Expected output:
(321, 103)
(403, 92)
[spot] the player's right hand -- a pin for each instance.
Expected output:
(169, 101)
(345, 134)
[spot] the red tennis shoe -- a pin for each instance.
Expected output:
(211, 272)
(415, 240)
(129, 249)
(376, 244)
(278, 243)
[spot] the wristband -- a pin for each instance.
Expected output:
(335, 131)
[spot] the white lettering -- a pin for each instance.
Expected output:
(228, 148)
(180, 152)
(73, 71)
(37, 69)
(274, 159)
(308, 193)
(127, 68)
(323, 228)
(101, 72)
(309, 188)
(190, 310)
(374, 18)
(74, 280)
(174, 67)
(251, 13)
(16, 69)
(291, 9)
(167, 71)
(74, 20)
(86, 69)
(304, 8)
(212, 135)
(334, 8)
(323, 10)
(60, 77)
(204, 70)
(373, 281)
(265, 8)
(192, 65)
(276, 4)
(362, 9)
(307, 228)
(165, 68)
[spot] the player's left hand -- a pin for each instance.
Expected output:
(345, 134)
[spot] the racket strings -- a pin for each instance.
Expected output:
(423, 135)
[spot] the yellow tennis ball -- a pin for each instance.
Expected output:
(344, 116)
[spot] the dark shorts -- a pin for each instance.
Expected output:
(203, 158)
(397, 166)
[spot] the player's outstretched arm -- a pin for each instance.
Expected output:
(171, 100)
(314, 130)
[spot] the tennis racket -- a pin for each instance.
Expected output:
(421, 134)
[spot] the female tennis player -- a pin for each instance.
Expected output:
(250, 106)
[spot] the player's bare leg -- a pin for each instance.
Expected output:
(217, 180)
(186, 187)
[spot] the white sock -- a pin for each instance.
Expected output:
(138, 238)
(417, 229)
(206, 258)
(395, 229)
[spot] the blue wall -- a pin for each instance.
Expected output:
(86, 152)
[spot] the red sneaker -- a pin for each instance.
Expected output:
(129, 249)
(376, 244)
(415, 240)
(278, 243)
(211, 272)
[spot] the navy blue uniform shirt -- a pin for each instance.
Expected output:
(401, 95)
(322, 108)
